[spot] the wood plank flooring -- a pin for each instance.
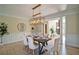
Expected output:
(18, 48)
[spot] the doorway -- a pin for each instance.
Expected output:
(54, 24)
(59, 27)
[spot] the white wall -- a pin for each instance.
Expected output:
(72, 30)
(14, 35)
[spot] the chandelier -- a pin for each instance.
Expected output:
(36, 17)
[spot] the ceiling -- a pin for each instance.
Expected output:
(25, 10)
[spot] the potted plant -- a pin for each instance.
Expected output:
(52, 31)
(3, 30)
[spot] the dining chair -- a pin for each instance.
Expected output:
(49, 47)
(31, 45)
(56, 46)
(25, 40)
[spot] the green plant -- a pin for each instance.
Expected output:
(3, 30)
(52, 30)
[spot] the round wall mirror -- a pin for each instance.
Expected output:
(21, 27)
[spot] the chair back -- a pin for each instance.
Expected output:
(25, 40)
(50, 42)
(56, 45)
(31, 44)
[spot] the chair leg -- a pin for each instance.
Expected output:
(33, 52)
(51, 51)
(55, 52)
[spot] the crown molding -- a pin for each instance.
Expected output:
(22, 18)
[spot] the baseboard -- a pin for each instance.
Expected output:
(72, 46)
(9, 42)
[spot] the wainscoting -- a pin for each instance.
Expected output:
(13, 37)
(72, 40)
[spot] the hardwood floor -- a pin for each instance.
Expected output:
(18, 48)
(12, 49)
(72, 50)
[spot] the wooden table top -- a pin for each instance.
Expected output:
(41, 39)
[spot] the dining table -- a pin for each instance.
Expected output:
(42, 41)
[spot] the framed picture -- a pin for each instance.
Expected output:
(21, 27)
